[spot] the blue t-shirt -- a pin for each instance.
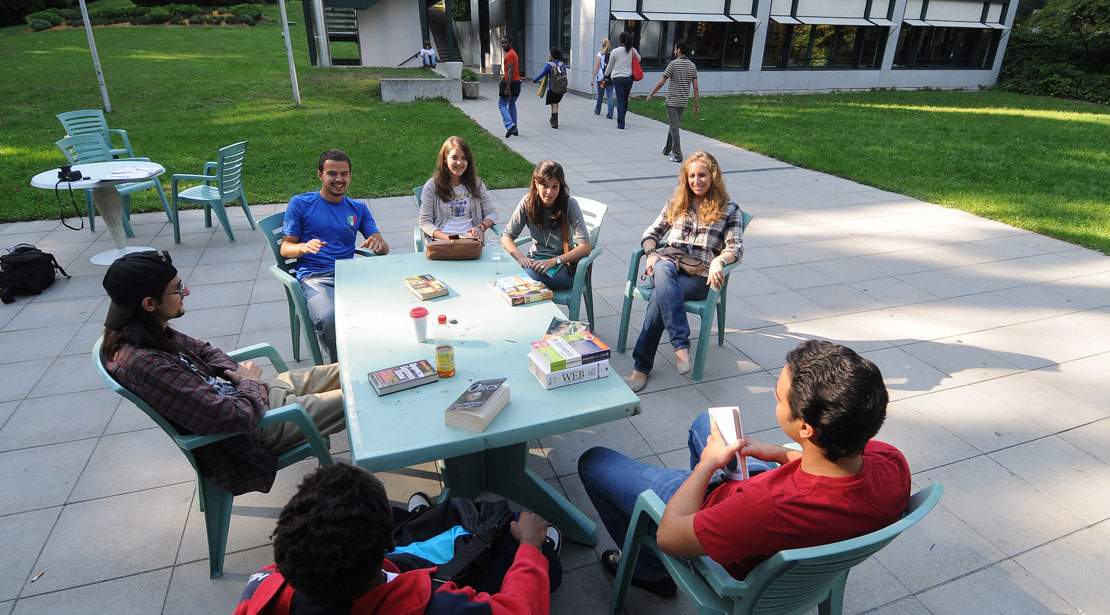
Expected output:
(310, 216)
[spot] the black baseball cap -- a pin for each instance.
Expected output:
(132, 278)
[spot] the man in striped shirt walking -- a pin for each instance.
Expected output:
(682, 73)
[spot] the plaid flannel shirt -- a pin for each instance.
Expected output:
(704, 241)
(239, 464)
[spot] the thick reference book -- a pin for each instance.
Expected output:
(570, 350)
(478, 405)
(519, 290)
(727, 419)
(426, 286)
(554, 379)
(401, 377)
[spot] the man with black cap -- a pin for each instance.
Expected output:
(200, 389)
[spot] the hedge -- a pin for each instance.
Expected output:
(171, 13)
(1058, 64)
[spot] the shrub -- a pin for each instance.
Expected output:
(183, 11)
(12, 12)
(117, 14)
(468, 74)
(50, 16)
(243, 19)
(157, 15)
(254, 11)
(38, 25)
(1055, 63)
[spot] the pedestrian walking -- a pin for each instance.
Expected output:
(682, 73)
(554, 77)
(509, 88)
(604, 86)
(620, 71)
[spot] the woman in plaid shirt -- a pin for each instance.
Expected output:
(699, 220)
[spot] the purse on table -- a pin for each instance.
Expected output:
(455, 248)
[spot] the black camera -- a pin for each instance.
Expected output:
(66, 173)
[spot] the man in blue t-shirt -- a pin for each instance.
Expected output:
(320, 228)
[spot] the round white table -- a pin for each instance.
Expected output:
(102, 178)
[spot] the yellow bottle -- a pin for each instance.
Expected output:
(445, 349)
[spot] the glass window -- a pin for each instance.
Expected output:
(714, 45)
(929, 47)
(823, 46)
(738, 37)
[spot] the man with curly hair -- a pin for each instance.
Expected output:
(329, 547)
(840, 485)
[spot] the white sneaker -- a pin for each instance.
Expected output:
(419, 501)
(555, 539)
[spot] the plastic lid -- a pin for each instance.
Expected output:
(418, 312)
(442, 319)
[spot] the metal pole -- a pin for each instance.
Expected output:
(289, 53)
(96, 58)
(323, 51)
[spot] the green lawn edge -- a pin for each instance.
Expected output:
(1033, 162)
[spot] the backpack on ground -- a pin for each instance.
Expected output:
(26, 269)
(484, 523)
(558, 79)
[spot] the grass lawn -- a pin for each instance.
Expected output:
(1036, 163)
(182, 92)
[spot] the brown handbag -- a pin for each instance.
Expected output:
(687, 263)
(454, 249)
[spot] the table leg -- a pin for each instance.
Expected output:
(504, 471)
(111, 209)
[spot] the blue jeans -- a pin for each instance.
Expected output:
(319, 293)
(604, 89)
(623, 87)
(613, 482)
(562, 280)
(507, 105)
(667, 309)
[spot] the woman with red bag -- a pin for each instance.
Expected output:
(620, 70)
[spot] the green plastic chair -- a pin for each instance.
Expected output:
(91, 121)
(791, 581)
(418, 235)
(90, 148)
(222, 184)
(213, 501)
(284, 271)
(704, 308)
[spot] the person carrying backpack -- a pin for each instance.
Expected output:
(555, 85)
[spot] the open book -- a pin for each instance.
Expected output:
(727, 419)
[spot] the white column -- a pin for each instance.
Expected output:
(759, 35)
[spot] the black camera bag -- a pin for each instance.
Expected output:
(26, 269)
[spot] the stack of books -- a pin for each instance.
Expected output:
(519, 290)
(568, 354)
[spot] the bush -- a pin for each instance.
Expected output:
(38, 25)
(12, 12)
(50, 16)
(254, 11)
(155, 15)
(183, 11)
(1059, 64)
(117, 14)
(243, 19)
(468, 74)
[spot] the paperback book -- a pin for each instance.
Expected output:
(401, 377)
(559, 327)
(570, 350)
(554, 379)
(727, 419)
(425, 286)
(478, 405)
(519, 290)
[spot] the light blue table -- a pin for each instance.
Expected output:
(492, 340)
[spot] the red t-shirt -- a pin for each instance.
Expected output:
(511, 60)
(742, 523)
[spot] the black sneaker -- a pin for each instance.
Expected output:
(554, 539)
(510, 131)
(516, 133)
(664, 588)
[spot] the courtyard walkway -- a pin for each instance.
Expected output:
(992, 341)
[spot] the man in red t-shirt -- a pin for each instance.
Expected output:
(509, 89)
(840, 485)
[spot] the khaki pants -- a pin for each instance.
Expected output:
(315, 388)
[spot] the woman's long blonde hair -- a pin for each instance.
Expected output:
(605, 48)
(713, 207)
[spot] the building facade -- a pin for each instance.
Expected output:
(740, 46)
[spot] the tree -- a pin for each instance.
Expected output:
(1084, 17)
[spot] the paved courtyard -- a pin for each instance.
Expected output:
(995, 345)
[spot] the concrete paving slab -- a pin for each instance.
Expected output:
(1074, 566)
(1064, 473)
(1003, 588)
(132, 595)
(67, 374)
(191, 591)
(60, 418)
(563, 450)
(41, 476)
(113, 537)
(132, 462)
(24, 534)
(41, 343)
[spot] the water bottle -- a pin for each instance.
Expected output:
(445, 349)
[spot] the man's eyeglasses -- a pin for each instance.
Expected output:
(180, 289)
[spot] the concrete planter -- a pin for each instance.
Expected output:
(470, 89)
